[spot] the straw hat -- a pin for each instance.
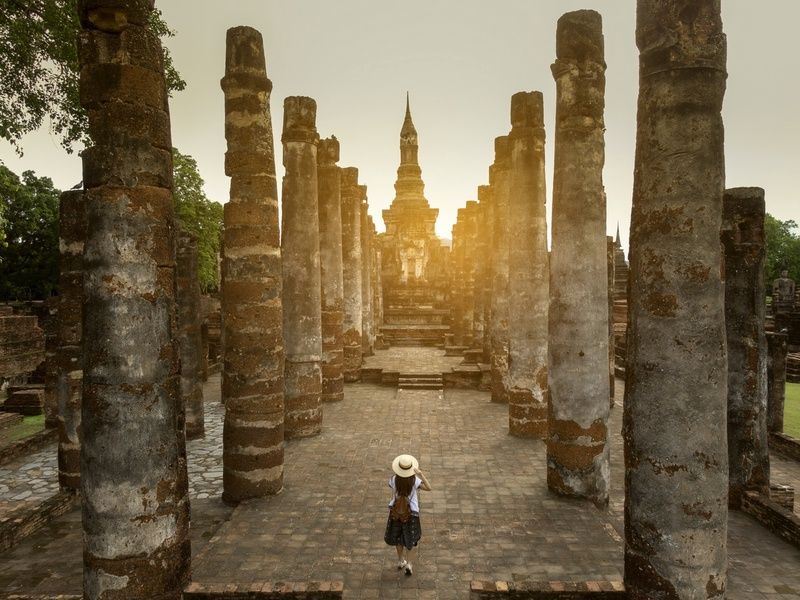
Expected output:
(404, 465)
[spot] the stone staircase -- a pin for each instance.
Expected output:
(420, 381)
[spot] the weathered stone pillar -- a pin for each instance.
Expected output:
(135, 504)
(676, 459)
(366, 275)
(611, 345)
(69, 378)
(302, 307)
(375, 280)
(499, 180)
(577, 445)
(528, 294)
(481, 251)
(485, 199)
(330, 262)
(189, 339)
(351, 273)
(50, 328)
(745, 251)
(251, 314)
(777, 347)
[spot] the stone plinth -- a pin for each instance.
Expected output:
(252, 374)
(330, 261)
(302, 317)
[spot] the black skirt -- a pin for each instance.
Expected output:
(408, 534)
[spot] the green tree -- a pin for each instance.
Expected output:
(29, 254)
(783, 249)
(199, 215)
(39, 63)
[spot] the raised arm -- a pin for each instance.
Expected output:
(425, 484)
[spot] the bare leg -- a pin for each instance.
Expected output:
(400, 550)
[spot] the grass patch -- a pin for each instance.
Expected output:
(28, 427)
(791, 410)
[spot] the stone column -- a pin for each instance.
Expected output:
(745, 252)
(375, 281)
(251, 313)
(528, 292)
(675, 408)
(189, 339)
(777, 347)
(366, 275)
(351, 273)
(485, 199)
(499, 180)
(481, 250)
(457, 279)
(50, 328)
(69, 377)
(302, 307)
(577, 445)
(611, 344)
(135, 505)
(330, 262)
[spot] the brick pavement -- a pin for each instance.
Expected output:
(489, 516)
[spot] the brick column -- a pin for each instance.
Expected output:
(777, 347)
(252, 322)
(135, 505)
(485, 199)
(744, 244)
(675, 408)
(351, 273)
(366, 276)
(577, 445)
(302, 316)
(499, 180)
(69, 378)
(330, 254)
(189, 339)
(528, 285)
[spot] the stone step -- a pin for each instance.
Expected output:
(420, 386)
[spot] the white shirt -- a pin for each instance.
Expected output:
(413, 500)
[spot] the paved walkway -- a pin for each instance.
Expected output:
(488, 517)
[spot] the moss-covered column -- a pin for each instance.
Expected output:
(675, 408)
(188, 307)
(135, 505)
(745, 249)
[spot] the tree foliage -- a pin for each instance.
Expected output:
(783, 249)
(29, 254)
(40, 72)
(199, 215)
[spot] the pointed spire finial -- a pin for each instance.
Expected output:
(616, 241)
(408, 130)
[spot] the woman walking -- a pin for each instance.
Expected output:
(403, 530)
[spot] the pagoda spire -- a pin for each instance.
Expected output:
(616, 241)
(408, 133)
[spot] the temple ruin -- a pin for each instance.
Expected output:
(266, 413)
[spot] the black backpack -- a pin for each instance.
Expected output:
(401, 509)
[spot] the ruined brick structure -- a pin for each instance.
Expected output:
(499, 181)
(330, 261)
(462, 274)
(134, 488)
(777, 347)
(351, 274)
(367, 334)
(528, 271)
(189, 339)
(302, 305)
(252, 375)
(744, 243)
(72, 233)
(676, 463)
(486, 272)
(577, 444)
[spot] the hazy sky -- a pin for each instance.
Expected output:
(461, 61)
